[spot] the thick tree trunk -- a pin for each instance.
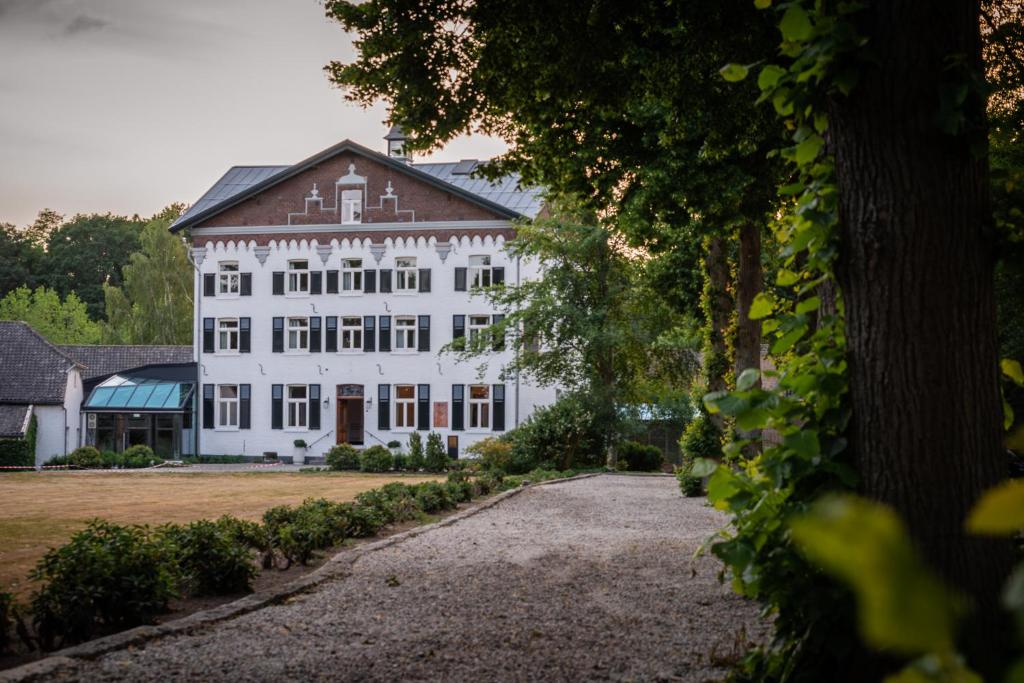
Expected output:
(916, 272)
(747, 348)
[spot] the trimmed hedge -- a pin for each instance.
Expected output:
(641, 457)
(20, 452)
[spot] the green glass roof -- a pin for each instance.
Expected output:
(139, 393)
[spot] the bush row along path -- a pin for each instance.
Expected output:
(586, 579)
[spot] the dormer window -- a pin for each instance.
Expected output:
(228, 279)
(351, 206)
(298, 277)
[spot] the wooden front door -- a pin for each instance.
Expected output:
(349, 425)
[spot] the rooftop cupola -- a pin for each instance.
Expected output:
(396, 144)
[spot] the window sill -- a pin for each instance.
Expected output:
(225, 429)
(351, 292)
(297, 352)
(218, 295)
(227, 353)
(406, 292)
(296, 295)
(404, 352)
(350, 352)
(296, 429)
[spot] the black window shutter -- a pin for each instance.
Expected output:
(278, 283)
(331, 335)
(209, 284)
(208, 406)
(460, 279)
(498, 407)
(314, 334)
(245, 406)
(458, 407)
(385, 280)
(277, 343)
(245, 335)
(246, 288)
(332, 282)
(423, 407)
(314, 406)
(385, 333)
(497, 276)
(383, 407)
(423, 338)
(277, 406)
(499, 335)
(424, 279)
(316, 282)
(208, 336)
(458, 326)
(369, 338)
(370, 281)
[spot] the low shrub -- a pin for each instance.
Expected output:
(215, 460)
(415, 460)
(436, 456)
(107, 577)
(364, 520)
(400, 461)
(58, 461)
(86, 456)
(297, 532)
(111, 460)
(376, 459)
(6, 620)
(394, 444)
(139, 456)
(343, 457)
(492, 453)
(396, 502)
(252, 535)
(211, 559)
(689, 485)
(701, 439)
(563, 435)
(640, 457)
(433, 497)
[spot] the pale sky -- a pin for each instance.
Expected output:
(129, 105)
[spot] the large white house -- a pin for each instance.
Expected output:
(326, 290)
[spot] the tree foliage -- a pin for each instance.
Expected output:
(62, 322)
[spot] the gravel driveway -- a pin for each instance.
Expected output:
(587, 579)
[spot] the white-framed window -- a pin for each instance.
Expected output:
(405, 333)
(351, 334)
(351, 275)
(405, 406)
(479, 271)
(227, 335)
(298, 334)
(477, 325)
(479, 406)
(298, 277)
(298, 405)
(352, 206)
(405, 274)
(229, 280)
(227, 406)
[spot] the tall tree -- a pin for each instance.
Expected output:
(154, 305)
(19, 259)
(89, 251)
(62, 322)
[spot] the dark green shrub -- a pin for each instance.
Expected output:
(211, 559)
(561, 436)
(58, 460)
(297, 532)
(107, 577)
(436, 456)
(415, 460)
(252, 535)
(689, 485)
(376, 459)
(215, 459)
(640, 457)
(395, 502)
(702, 439)
(460, 491)
(400, 461)
(394, 444)
(299, 443)
(6, 620)
(20, 452)
(343, 457)
(433, 497)
(139, 456)
(111, 460)
(86, 456)
(492, 453)
(364, 520)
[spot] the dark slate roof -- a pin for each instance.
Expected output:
(14, 418)
(32, 370)
(108, 360)
(504, 196)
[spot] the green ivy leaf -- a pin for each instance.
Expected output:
(786, 341)
(807, 151)
(703, 467)
(1013, 370)
(795, 24)
(734, 72)
(769, 76)
(747, 379)
(761, 307)
(1000, 511)
(808, 305)
(755, 418)
(762, 4)
(787, 278)
(805, 443)
(722, 486)
(901, 606)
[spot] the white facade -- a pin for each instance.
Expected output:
(58, 427)
(223, 372)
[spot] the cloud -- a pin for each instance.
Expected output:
(83, 23)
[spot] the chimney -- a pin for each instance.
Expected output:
(396, 144)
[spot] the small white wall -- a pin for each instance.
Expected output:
(58, 427)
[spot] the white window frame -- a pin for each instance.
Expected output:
(480, 273)
(227, 407)
(299, 332)
(405, 332)
(405, 408)
(351, 334)
(351, 207)
(480, 408)
(229, 279)
(475, 328)
(297, 408)
(406, 275)
(228, 327)
(351, 276)
(297, 278)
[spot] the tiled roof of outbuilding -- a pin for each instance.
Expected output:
(14, 419)
(32, 370)
(108, 360)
